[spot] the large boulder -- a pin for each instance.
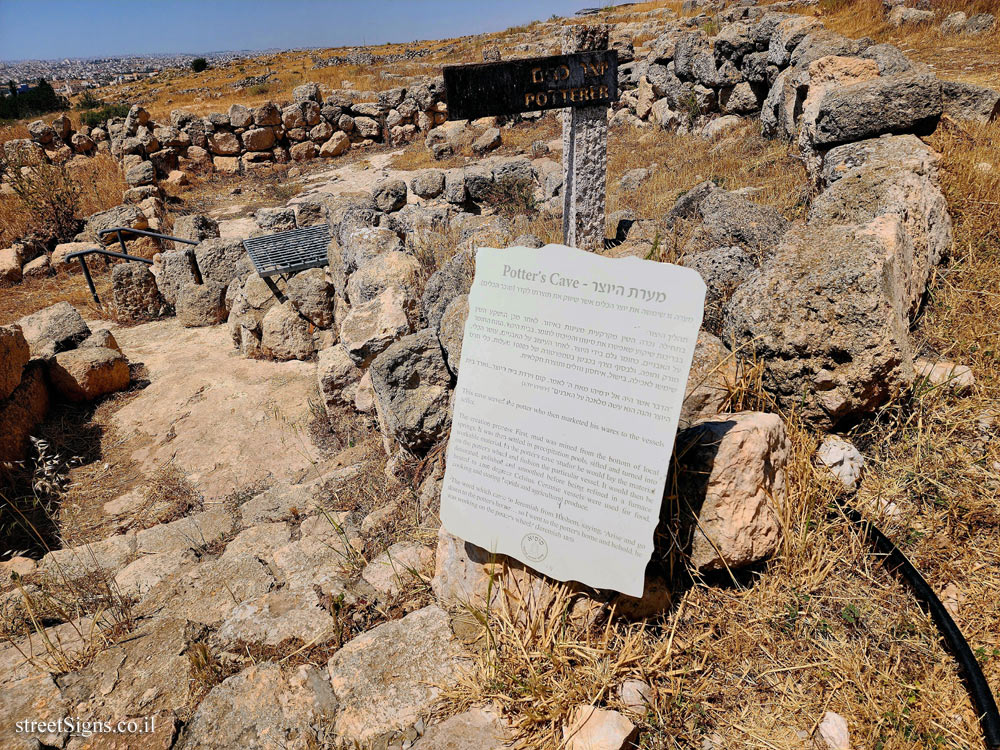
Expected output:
(337, 376)
(263, 705)
(412, 385)
(285, 334)
(337, 144)
(221, 259)
(174, 271)
(865, 193)
(21, 412)
(827, 318)
(966, 101)
(369, 328)
(732, 476)
(88, 372)
(452, 280)
(14, 355)
(730, 219)
(723, 269)
(194, 227)
(312, 295)
(388, 678)
(134, 293)
(389, 195)
(201, 304)
(451, 331)
(905, 152)
(10, 266)
(125, 215)
(392, 269)
(54, 329)
(906, 103)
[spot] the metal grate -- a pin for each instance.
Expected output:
(287, 252)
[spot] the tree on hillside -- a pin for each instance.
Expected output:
(35, 101)
(199, 64)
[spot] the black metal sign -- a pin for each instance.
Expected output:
(579, 80)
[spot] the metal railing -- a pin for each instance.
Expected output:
(81, 255)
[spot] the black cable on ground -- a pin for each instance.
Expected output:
(979, 689)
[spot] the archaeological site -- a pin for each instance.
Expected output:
(625, 379)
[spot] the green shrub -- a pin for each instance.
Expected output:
(89, 101)
(199, 64)
(93, 118)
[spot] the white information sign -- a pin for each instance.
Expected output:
(572, 376)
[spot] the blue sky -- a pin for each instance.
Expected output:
(44, 29)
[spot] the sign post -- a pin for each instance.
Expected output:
(583, 81)
(585, 154)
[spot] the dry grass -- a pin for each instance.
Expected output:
(959, 57)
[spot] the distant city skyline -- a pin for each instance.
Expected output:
(86, 29)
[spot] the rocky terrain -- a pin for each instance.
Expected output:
(247, 547)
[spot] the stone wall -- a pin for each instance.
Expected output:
(243, 138)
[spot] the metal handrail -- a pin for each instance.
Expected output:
(81, 255)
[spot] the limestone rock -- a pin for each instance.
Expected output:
(389, 195)
(285, 334)
(864, 194)
(399, 568)
(476, 728)
(261, 707)
(336, 372)
(39, 698)
(452, 280)
(713, 376)
(955, 378)
(389, 677)
(196, 227)
(966, 101)
(38, 268)
(842, 459)
(591, 728)
(312, 296)
(60, 260)
(10, 267)
(833, 732)
(275, 617)
(21, 412)
(371, 327)
(636, 695)
(53, 329)
(135, 296)
(723, 269)
(904, 152)
(827, 318)
(337, 144)
(173, 272)
(391, 269)
(733, 477)
(14, 355)
(273, 220)
(201, 304)
(910, 102)
(451, 331)
(88, 373)
(412, 385)
(428, 183)
(220, 259)
(903, 16)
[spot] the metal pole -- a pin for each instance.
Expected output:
(90, 281)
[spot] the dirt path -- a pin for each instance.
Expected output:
(226, 422)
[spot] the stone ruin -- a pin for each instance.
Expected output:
(824, 305)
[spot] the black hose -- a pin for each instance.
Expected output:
(975, 681)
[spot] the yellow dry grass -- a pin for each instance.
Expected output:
(960, 57)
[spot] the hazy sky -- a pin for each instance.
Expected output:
(44, 29)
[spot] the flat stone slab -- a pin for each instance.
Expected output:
(225, 421)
